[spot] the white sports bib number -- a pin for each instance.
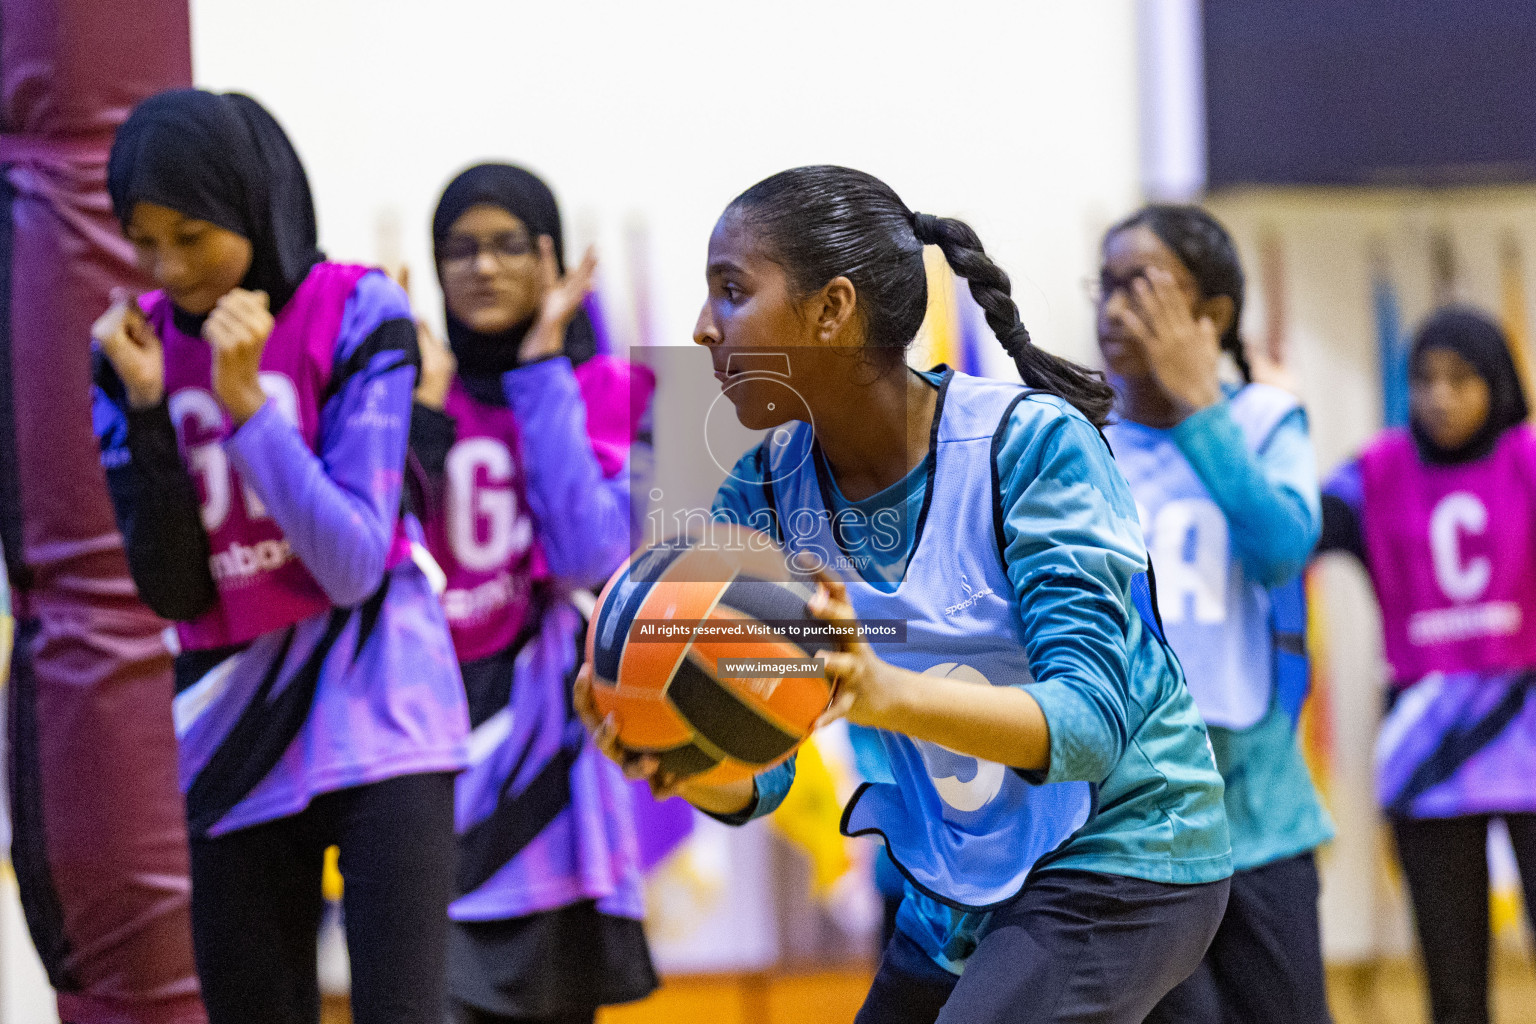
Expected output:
(195, 412)
(965, 783)
(1459, 513)
(485, 528)
(1191, 551)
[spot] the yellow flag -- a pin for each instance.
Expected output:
(1316, 725)
(938, 340)
(330, 877)
(809, 818)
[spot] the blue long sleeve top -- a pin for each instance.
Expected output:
(1112, 693)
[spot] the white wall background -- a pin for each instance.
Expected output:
(648, 118)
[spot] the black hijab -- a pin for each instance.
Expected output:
(223, 159)
(1482, 344)
(528, 199)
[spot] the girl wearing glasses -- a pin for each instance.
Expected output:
(1226, 488)
(253, 416)
(525, 452)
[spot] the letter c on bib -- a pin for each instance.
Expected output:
(1457, 513)
(965, 783)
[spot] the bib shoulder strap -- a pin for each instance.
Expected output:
(1259, 409)
(973, 407)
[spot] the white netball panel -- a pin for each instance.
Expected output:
(964, 783)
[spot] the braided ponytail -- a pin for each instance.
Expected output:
(1232, 345)
(1086, 389)
(823, 222)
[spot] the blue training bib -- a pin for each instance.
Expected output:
(966, 832)
(1234, 637)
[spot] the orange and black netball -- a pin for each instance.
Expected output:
(661, 627)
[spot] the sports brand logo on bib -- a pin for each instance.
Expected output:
(971, 599)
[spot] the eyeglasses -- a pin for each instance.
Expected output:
(1106, 284)
(459, 253)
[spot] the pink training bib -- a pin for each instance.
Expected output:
(1453, 555)
(484, 536)
(261, 583)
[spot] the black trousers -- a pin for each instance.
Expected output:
(1445, 861)
(256, 906)
(1075, 947)
(469, 1015)
(1266, 963)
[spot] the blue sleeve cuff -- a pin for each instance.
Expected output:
(768, 792)
(1077, 736)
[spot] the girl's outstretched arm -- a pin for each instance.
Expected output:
(994, 723)
(1343, 496)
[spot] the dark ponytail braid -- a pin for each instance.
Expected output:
(824, 221)
(1208, 253)
(992, 290)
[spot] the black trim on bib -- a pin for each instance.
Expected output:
(397, 334)
(765, 474)
(999, 514)
(824, 476)
(1045, 858)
